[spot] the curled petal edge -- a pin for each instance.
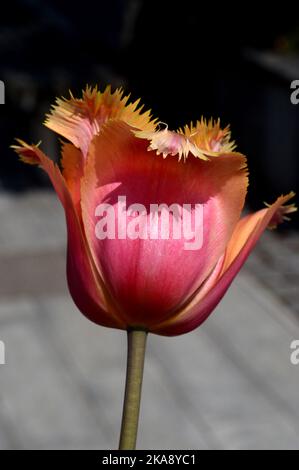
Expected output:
(80, 119)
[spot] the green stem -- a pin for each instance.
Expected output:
(135, 362)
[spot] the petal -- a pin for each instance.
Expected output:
(245, 236)
(79, 120)
(84, 283)
(167, 142)
(209, 137)
(205, 139)
(72, 171)
(152, 278)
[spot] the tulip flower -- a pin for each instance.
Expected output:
(139, 276)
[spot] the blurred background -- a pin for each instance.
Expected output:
(229, 384)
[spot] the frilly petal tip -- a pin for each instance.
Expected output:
(27, 153)
(78, 119)
(280, 214)
(204, 140)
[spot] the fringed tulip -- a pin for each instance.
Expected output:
(130, 187)
(115, 153)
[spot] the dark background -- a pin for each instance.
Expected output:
(184, 59)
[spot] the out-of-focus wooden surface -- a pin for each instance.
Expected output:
(228, 385)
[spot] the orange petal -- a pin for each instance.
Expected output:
(72, 171)
(250, 228)
(244, 238)
(209, 137)
(79, 120)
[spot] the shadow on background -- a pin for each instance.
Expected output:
(184, 59)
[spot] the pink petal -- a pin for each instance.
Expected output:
(151, 279)
(85, 285)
